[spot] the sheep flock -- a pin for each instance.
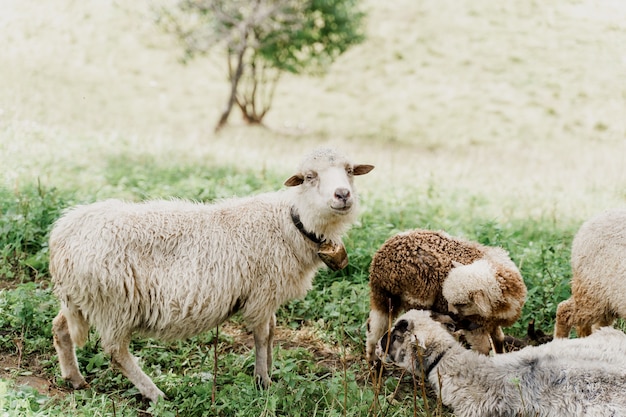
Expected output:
(172, 269)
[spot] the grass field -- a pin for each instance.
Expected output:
(498, 121)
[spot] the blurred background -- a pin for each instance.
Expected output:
(522, 102)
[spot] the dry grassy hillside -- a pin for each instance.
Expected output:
(521, 102)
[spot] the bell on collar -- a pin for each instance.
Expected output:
(333, 255)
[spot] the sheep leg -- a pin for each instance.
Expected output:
(586, 317)
(606, 320)
(127, 364)
(263, 339)
(497, 338)
(377, 324)
(565, 312)
(270, 343)
(66, 352)
(583, 331)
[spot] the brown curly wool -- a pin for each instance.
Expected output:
(409, 271)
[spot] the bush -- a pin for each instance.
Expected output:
(25, 322)
(27, 215)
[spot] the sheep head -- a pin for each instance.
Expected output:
(330, 173)
(324, 194)
(416, 340)
(472, 290)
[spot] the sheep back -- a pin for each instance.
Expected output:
(173, 268)
(409, 268)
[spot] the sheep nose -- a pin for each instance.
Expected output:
(342, 194)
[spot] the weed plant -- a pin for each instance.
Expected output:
(305, 382)
(27, 214)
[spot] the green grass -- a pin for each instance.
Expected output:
(306, 381)
(499, 122)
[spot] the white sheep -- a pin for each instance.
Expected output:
(174, 269)
(598, 283)
(428, 269)
(563, 378)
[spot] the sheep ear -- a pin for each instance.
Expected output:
(294, 180)
(482, 302)
(362, 169)
(456, 264)
(403, 326)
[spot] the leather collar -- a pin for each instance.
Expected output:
(434, 363)
(310, 235)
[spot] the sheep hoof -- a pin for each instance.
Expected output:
(78, 383)
(154, 396)
(263, 382)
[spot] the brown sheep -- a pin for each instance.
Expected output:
(410, 271)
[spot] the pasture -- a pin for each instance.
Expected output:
(502, 122)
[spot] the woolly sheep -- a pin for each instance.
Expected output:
(427, 269)
(565, 377)
(598, 283)
(174, 269)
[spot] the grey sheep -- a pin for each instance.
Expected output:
(583, 377)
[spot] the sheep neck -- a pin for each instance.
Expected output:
(295, 217)
(434, 363)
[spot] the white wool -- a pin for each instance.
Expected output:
(173, 269)
(598, 284)
(563, 378)
(465, 280)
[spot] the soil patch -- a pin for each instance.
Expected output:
(28, 373)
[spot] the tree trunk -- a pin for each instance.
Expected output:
(234, 84)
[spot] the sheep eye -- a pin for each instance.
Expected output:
(310, 176)
(450, 327)
(349, 170)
